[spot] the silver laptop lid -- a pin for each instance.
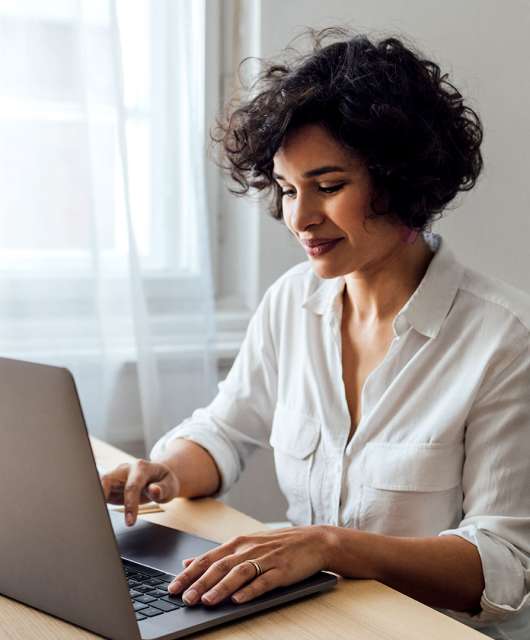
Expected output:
(57, 546)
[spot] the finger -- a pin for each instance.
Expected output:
(108, 483)
(114, 481)
(107, 486)
(162, 489)
(132, 491)
(260, 585)
(201, 563)
(241, 574)
(155, 492)
(116, 497)
(187, 561)
(162, 485)
(208, 579)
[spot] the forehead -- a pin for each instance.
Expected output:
(307, 145)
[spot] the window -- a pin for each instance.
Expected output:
(57, 104)
(56, 84)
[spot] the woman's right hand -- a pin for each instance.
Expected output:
(139, 482)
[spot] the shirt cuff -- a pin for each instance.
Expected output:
(504, 579)
(222, 452)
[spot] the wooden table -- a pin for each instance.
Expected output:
(354, 610)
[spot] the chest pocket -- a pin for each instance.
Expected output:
(411, 489)
(294, 438)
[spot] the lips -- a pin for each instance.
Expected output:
(324, 246)
(316, 242)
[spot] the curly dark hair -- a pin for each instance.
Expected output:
(382, 101)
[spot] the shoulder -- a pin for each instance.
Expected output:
(497, 315)
(497, 298)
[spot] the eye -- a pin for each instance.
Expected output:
(332, 189)
(291, 193)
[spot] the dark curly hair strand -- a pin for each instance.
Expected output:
(381, 101)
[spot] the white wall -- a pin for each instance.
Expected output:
(484, 46)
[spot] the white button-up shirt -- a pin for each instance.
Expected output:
(443, 444)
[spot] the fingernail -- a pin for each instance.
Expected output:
(237, 597)
(175, 586)
(154, 492)
(190, 597)
(129, 518)
(210, 597)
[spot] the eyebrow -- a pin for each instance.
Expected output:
(318, 171)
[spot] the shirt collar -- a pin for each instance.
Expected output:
(428, 306)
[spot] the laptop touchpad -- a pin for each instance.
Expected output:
(157, 546)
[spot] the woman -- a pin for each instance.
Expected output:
(391, 381)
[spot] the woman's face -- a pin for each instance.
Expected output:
(327, 194)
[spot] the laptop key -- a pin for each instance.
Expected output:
(152, 573)
(137, 606)
(139, 616)
(143, 588)
(133, 583)
(164, 605)
(151, 612)
(133, 593)
(174, 600)
(158, 593)
(142, 569)
(144, 598)
(154, 582)
(135, 576)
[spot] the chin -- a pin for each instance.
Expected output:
(326, 271)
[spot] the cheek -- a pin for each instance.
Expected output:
(286, 214)
(351, 214)
(361, 202)
(355, 197)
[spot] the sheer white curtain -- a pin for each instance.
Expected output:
(104, 245)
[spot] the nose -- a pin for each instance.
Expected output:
(302, 212)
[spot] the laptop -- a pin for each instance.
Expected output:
(63, 552)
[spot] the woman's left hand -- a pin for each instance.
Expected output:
(284, 555)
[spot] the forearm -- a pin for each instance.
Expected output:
(193, 466)
(444, 572)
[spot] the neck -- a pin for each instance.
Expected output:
(375, 294)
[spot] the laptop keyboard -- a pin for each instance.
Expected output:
(148, 590)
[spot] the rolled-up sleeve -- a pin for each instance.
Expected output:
(496, 488)
(239, 418)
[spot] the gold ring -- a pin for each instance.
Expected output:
(256, 566)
